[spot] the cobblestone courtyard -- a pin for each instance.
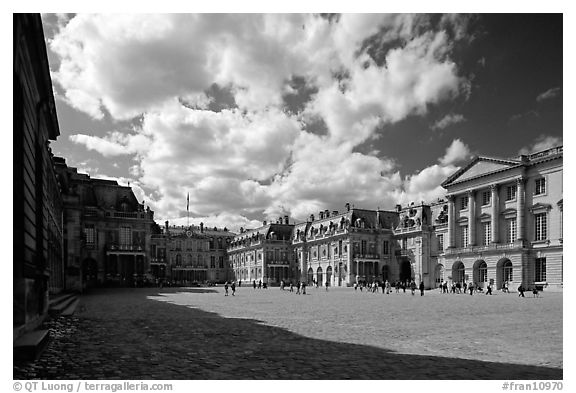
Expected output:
(198, 333)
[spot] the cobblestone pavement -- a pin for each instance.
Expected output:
(198, 333)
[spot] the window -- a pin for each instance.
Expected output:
(464, 203)
(486, 198)
(511, 230)
(178, 260)
(540, 270)
(212, 262)
(404, 243)
(440, 242)
(221, 262)
(464, 236)
(508, 276)
(482, 272)
(125, 236)
(510, 193)
(90, 235)
(487, 230)
(385, 247)
(363, 245)
(540, 232)
(540, 186)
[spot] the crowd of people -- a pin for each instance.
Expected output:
(386, 287)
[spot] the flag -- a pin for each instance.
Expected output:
(187, 201)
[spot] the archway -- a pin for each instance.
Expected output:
(480, 271)
(504, 273)
(90, 272)
(458, 272)
(439, 274)
(310, 277)
(405, 271)
(385, 273)
(329, 275)
(319, 280)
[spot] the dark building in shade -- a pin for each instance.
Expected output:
(107, 231)
(38, 220)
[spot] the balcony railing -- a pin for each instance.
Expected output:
(549, 152)
(124, 247)
(490, 247)
(366, 256)
(402, 252)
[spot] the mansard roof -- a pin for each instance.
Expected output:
(481, 166)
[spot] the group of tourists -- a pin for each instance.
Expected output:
(386, 287)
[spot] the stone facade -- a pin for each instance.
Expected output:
(505, 222)
(193, 254)
(38, 221)
(263, 254)
(107, 232)
(501, 223)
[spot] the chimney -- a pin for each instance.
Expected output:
(286, 220)
(202, 227)
(312, 217)
(347, 207)
(241, 229)
(334, 212)
(166, 223)
(321, 214)
(264, 223)
(326, 213)
(398, 208)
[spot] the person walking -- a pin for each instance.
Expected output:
(465, 287)
(355, 286)
(254, 284)
(298, 288)
(259, 284)
(421, 288)
(291, 287)
(303, 288)
(388, 287)
(521, 291)
(233, 287)
(489, 290)
(413, 287)
(327, 283)
(471, 288)
(226, 288)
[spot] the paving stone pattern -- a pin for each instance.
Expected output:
(198, 333)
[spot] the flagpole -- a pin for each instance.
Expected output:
(187, 210)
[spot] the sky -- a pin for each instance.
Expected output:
(256, 116)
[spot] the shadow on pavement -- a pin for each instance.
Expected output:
(129, 336)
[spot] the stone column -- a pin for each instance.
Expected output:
(495, 213)
(520, 201)
(451, 222)
(303, 265)
(471, 218)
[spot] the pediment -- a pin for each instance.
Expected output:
(480, 166)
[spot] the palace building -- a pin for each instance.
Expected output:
(505, 222)
(37, 204)
(192, 254)
(106, 234)
(263, 254)
(501, 223)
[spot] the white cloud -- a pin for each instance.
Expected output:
(456, 152)
(256, 159)
(542, 142)
(548, 94)
(448, 120)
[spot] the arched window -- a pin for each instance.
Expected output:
(507, 270)
(310, 275)
(482, 272)
(439, 274)
(178, 260)
(458, 272)
(319, 276)
(329, 274)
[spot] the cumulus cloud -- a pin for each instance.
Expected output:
(542, 142)
(456, 152)
(253, 158)
(447, 121)
(548, 94)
